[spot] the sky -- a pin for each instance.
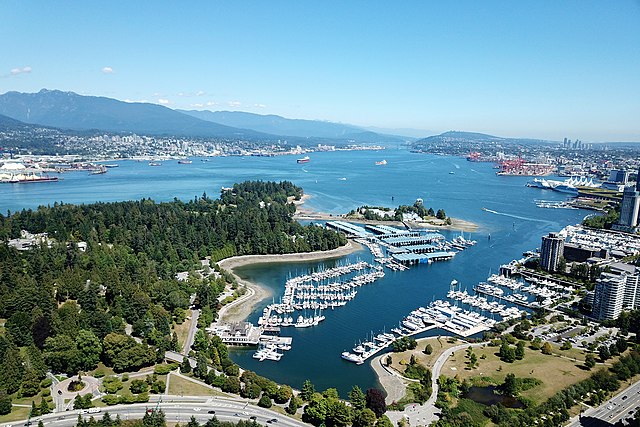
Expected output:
(541, 69)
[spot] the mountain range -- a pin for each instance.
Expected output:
(69, 110)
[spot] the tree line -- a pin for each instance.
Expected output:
(68, 309)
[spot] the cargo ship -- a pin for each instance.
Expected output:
(184, 162)
(305, 159)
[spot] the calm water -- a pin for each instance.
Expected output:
(338, 183)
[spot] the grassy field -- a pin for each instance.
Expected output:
(439, 346)
(184, 387)
(555, 372)
(17, 413)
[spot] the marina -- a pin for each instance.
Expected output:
(398, 293)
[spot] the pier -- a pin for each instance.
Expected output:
(351, 230)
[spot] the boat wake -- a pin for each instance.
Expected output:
(524, 218)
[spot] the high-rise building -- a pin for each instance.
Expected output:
(638, 180)
(619, 176)
(551, 251)
(630, 207)
(608, 298)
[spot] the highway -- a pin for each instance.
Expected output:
(225, 410)
(621, 406)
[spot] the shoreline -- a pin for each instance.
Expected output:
(304, 213)
(240, 309)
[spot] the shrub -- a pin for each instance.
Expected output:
(265, 401)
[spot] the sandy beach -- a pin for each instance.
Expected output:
(240, 309)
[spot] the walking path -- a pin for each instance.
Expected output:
(416, 414)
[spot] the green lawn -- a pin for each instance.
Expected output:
(555, 372)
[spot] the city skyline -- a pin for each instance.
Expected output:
(540, 70)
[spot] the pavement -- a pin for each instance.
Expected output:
(175, 410)
(192, 331)
(60, 392)
(622, 405)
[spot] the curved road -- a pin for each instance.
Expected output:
(181, 412)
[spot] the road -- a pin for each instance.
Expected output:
(620, 406)
(192, 331)
(181, 412)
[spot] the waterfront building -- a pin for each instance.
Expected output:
(551, 251)
(630, 208)
(619, 175)
(579, 253)
(608, 298)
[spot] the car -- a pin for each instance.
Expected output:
(252, 417)
(211, 412)
(196, 409)
(624, 397)
(245, 413)
(149, 411)
(272, 420)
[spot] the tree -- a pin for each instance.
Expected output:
(590, 361)
(507, 353)
(89, 348)
(375, 401)
(35, 411)
(428, 349)
(44, 407)
(384, 421)
(441, 214)
(603, 353)
(357, 398)
(201, 369)
(292, 408)
(283, 394)
(185, 366)
(5, 403)
(510, 387)
(364, 418)
(30, 384)
(338, 413)
(307, 391)
(520, 350)
(566, 345)
(473, 359)
(546, 348)
(11, 370)
(265, 401)
(138, 386)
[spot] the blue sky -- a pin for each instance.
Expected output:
(545, 69)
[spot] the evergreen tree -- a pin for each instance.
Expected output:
(307, 391)
(185, 366)
(357, 398)
(5, 403)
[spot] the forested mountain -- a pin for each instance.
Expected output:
(68, 110)
(68, 309)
